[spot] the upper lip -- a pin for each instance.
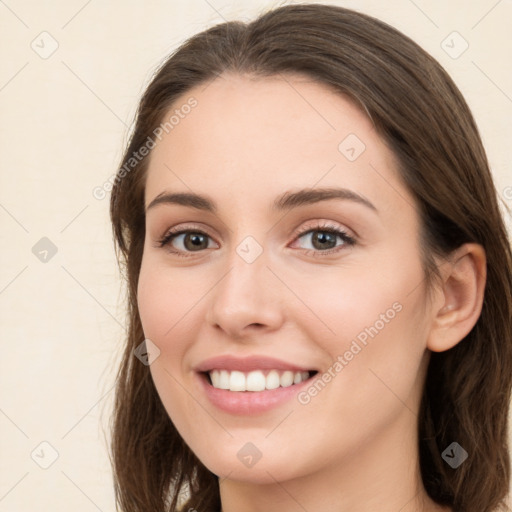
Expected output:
(247, 364)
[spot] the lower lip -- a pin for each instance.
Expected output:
(250, 402)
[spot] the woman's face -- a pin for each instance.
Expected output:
(276, 276)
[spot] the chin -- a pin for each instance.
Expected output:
(232, 466)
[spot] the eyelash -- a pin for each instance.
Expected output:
(324, 228)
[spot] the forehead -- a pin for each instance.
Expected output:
(257, 136)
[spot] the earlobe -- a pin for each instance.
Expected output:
(461, 295)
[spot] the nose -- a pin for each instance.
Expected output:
(246, 301)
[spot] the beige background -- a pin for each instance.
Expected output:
(64, 118)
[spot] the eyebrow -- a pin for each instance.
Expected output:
(286, 201)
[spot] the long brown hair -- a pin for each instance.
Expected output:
(420, 113)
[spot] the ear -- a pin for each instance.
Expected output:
(460, 297)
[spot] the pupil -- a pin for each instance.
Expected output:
(323, 237)
(196, 239)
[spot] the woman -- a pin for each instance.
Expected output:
(320, 290)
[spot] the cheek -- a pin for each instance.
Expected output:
(164, 318)
(167, 320)
(351, 302)
(370, 321)
(154, 304)
(165, 300)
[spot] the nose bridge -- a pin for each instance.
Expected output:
(245, 295)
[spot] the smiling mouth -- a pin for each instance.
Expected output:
(256, 380)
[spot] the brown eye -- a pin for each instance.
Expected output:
(324, 238)
(195, 241)
(185, 241)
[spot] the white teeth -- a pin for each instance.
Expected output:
(214, 376)
(286, 379)
(273, 380)
(255, 380)
(237, 381)
(223, 379)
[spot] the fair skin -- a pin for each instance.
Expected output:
(353, 446)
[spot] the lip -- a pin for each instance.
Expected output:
(247, 403)
(248, 364)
